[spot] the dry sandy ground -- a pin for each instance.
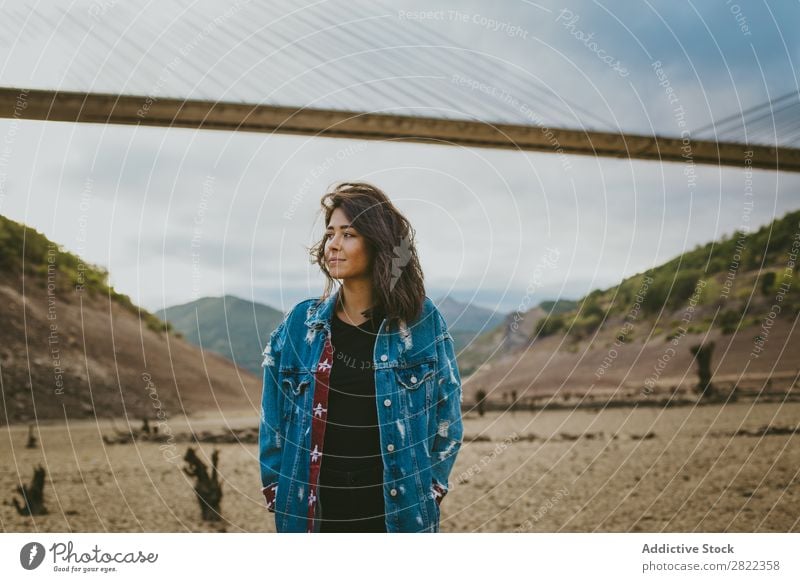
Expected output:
(690, 476)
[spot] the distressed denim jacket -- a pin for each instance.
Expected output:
(418, 396)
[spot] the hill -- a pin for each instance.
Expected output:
(72, 346)
(229, 326)
(234, 327)
(634, 339)
(514, 332)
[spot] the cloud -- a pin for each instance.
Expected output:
(250, 202)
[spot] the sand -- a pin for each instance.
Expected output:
(535, 473)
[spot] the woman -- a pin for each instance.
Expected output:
(361, 406)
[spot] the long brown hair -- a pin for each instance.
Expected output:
(397, 279)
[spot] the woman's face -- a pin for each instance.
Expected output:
(346, 252)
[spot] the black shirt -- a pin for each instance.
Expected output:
(352, 438)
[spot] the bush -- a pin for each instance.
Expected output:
(710, 294)
(670, 290)
(729, 320)
(624, 338)
(155, 324)
(581, 327)
(549, 325)
(590, 308)
(767, 282)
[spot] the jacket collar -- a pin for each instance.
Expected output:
(320, 314)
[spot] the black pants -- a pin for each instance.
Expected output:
(352, 501)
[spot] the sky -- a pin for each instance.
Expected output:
(177, 214)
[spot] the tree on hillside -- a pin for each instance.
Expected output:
(702, 353)
(767, 281)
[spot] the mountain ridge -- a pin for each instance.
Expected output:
(72, 347)
(616, 338)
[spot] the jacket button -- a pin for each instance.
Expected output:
(413, 379)
(393, 492)
(387, 402)
(390, 447)
(384, 357)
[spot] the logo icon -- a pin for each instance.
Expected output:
(31, 555)
(402, 255)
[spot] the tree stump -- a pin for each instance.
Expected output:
(32, 495)
(207, 488)
(480, 397)
(32, 442)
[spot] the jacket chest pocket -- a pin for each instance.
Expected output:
(294, 385)
(415, 383)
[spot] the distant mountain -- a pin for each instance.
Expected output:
(465, 321)
(740, 292)
(232, 327)
(72, 347)
(514, 332)
(236, 328)
(466, 316)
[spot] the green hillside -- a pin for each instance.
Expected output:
(740, 275)
(230, 326)
(24, 250)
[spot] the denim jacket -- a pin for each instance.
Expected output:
(418, 396)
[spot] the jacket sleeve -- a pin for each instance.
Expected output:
(269, 429)
(449, 428)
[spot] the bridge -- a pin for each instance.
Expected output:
(285, 70)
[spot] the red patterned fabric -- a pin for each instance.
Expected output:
(438, 493)
(318, 421)
(269, 493)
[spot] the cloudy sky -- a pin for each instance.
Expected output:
(177, 214)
